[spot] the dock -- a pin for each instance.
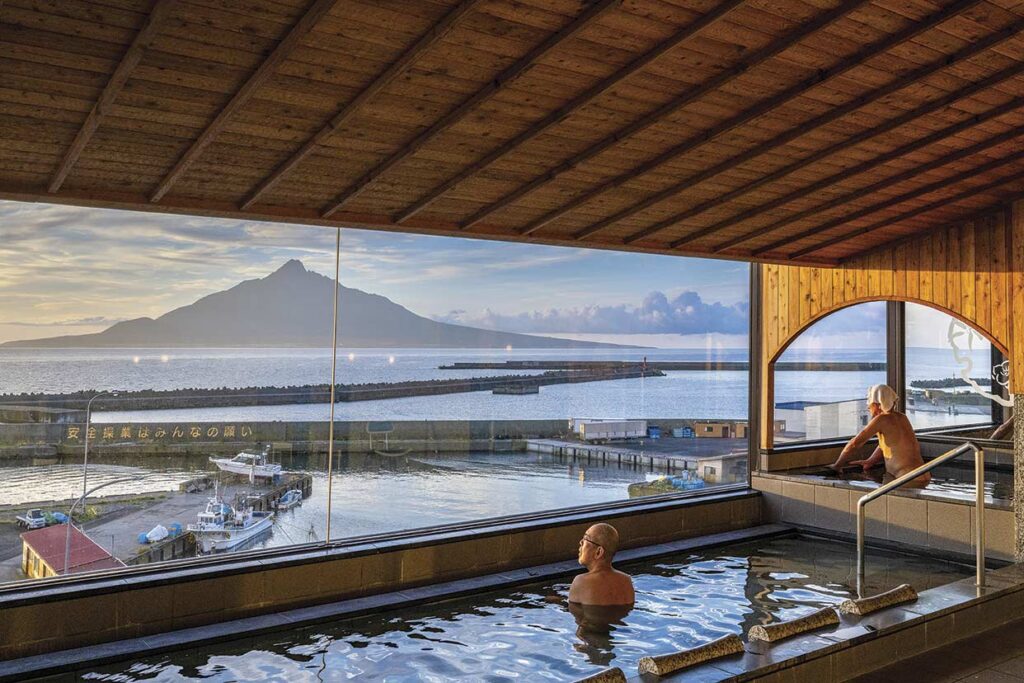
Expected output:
(672, 455)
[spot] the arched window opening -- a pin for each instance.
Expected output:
(953, 378)
(822, 378)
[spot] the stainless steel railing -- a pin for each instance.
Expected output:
(979, 483)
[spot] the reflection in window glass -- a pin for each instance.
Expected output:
(475, 379)
(951, 379)
(821, 380)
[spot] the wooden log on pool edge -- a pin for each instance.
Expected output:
(613, 675)
(663, 665)
(826, 616)
(896, 596)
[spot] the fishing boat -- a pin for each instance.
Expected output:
(221, 527)
(252, 465)
(290, 499)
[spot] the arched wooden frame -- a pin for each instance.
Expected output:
(772, 355)
(785, 344)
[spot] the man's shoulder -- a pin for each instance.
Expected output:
(584, 578)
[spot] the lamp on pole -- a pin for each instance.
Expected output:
(71, 510)
(88, 420)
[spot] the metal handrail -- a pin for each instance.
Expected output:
(979, 483)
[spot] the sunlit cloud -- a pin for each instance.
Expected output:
(685, 314)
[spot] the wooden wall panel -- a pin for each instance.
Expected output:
(973, 271)
(1015, 327)
(1000, 289)
(980, 280)
(938, 268)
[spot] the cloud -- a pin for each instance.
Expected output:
(685, 313)
(866, 317)
(80, 322)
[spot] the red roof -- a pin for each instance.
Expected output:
(86, 554)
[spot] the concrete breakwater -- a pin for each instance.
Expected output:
(319, 393)
(26, 442)
(667, 365)
(223, 437)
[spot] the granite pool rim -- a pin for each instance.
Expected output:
(807, 475)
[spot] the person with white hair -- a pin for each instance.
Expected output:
(897, 444)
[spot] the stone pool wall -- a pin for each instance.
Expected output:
(913, 518)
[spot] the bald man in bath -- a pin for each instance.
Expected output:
(601, 584)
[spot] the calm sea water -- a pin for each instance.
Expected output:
(721, 395)
(521, 634)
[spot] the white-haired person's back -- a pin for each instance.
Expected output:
(898, 446)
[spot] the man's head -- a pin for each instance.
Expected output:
(598, 545)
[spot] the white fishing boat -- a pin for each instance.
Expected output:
(290, 499)
(252, 465)
(221, 527)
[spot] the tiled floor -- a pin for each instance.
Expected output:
(995, 656)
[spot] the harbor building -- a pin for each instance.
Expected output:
(44, 552)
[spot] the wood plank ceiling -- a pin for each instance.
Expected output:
(802, 131)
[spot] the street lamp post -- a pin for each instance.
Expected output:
(71, 511)
(88, 420)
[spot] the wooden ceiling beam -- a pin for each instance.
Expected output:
(912, 194)
(302, 27)
(592, 14)
(830, 116)
(422, 44)
(981, 214)
(667, 109)
(969, 192)
(159, 12)
(870, 163)
(839, 201)
(698, 140)
(578, 102)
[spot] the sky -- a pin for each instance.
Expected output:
(72, 270)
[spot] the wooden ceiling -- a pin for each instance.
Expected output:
(784, 130)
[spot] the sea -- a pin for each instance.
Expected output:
(375, 494)
(684, 394)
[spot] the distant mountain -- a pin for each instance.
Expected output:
(291, 308)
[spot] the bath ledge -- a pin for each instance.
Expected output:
(934, 496)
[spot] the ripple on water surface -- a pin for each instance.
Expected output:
(30, 484)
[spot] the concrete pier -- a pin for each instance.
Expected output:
(715, 460)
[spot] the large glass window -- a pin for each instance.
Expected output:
(821, 380)
(952, 376)
(474, 380)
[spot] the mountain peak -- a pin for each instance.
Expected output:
(291, 308)
(291, 267)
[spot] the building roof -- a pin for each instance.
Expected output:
(86, 555)
(797, 405)
(788, 131)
